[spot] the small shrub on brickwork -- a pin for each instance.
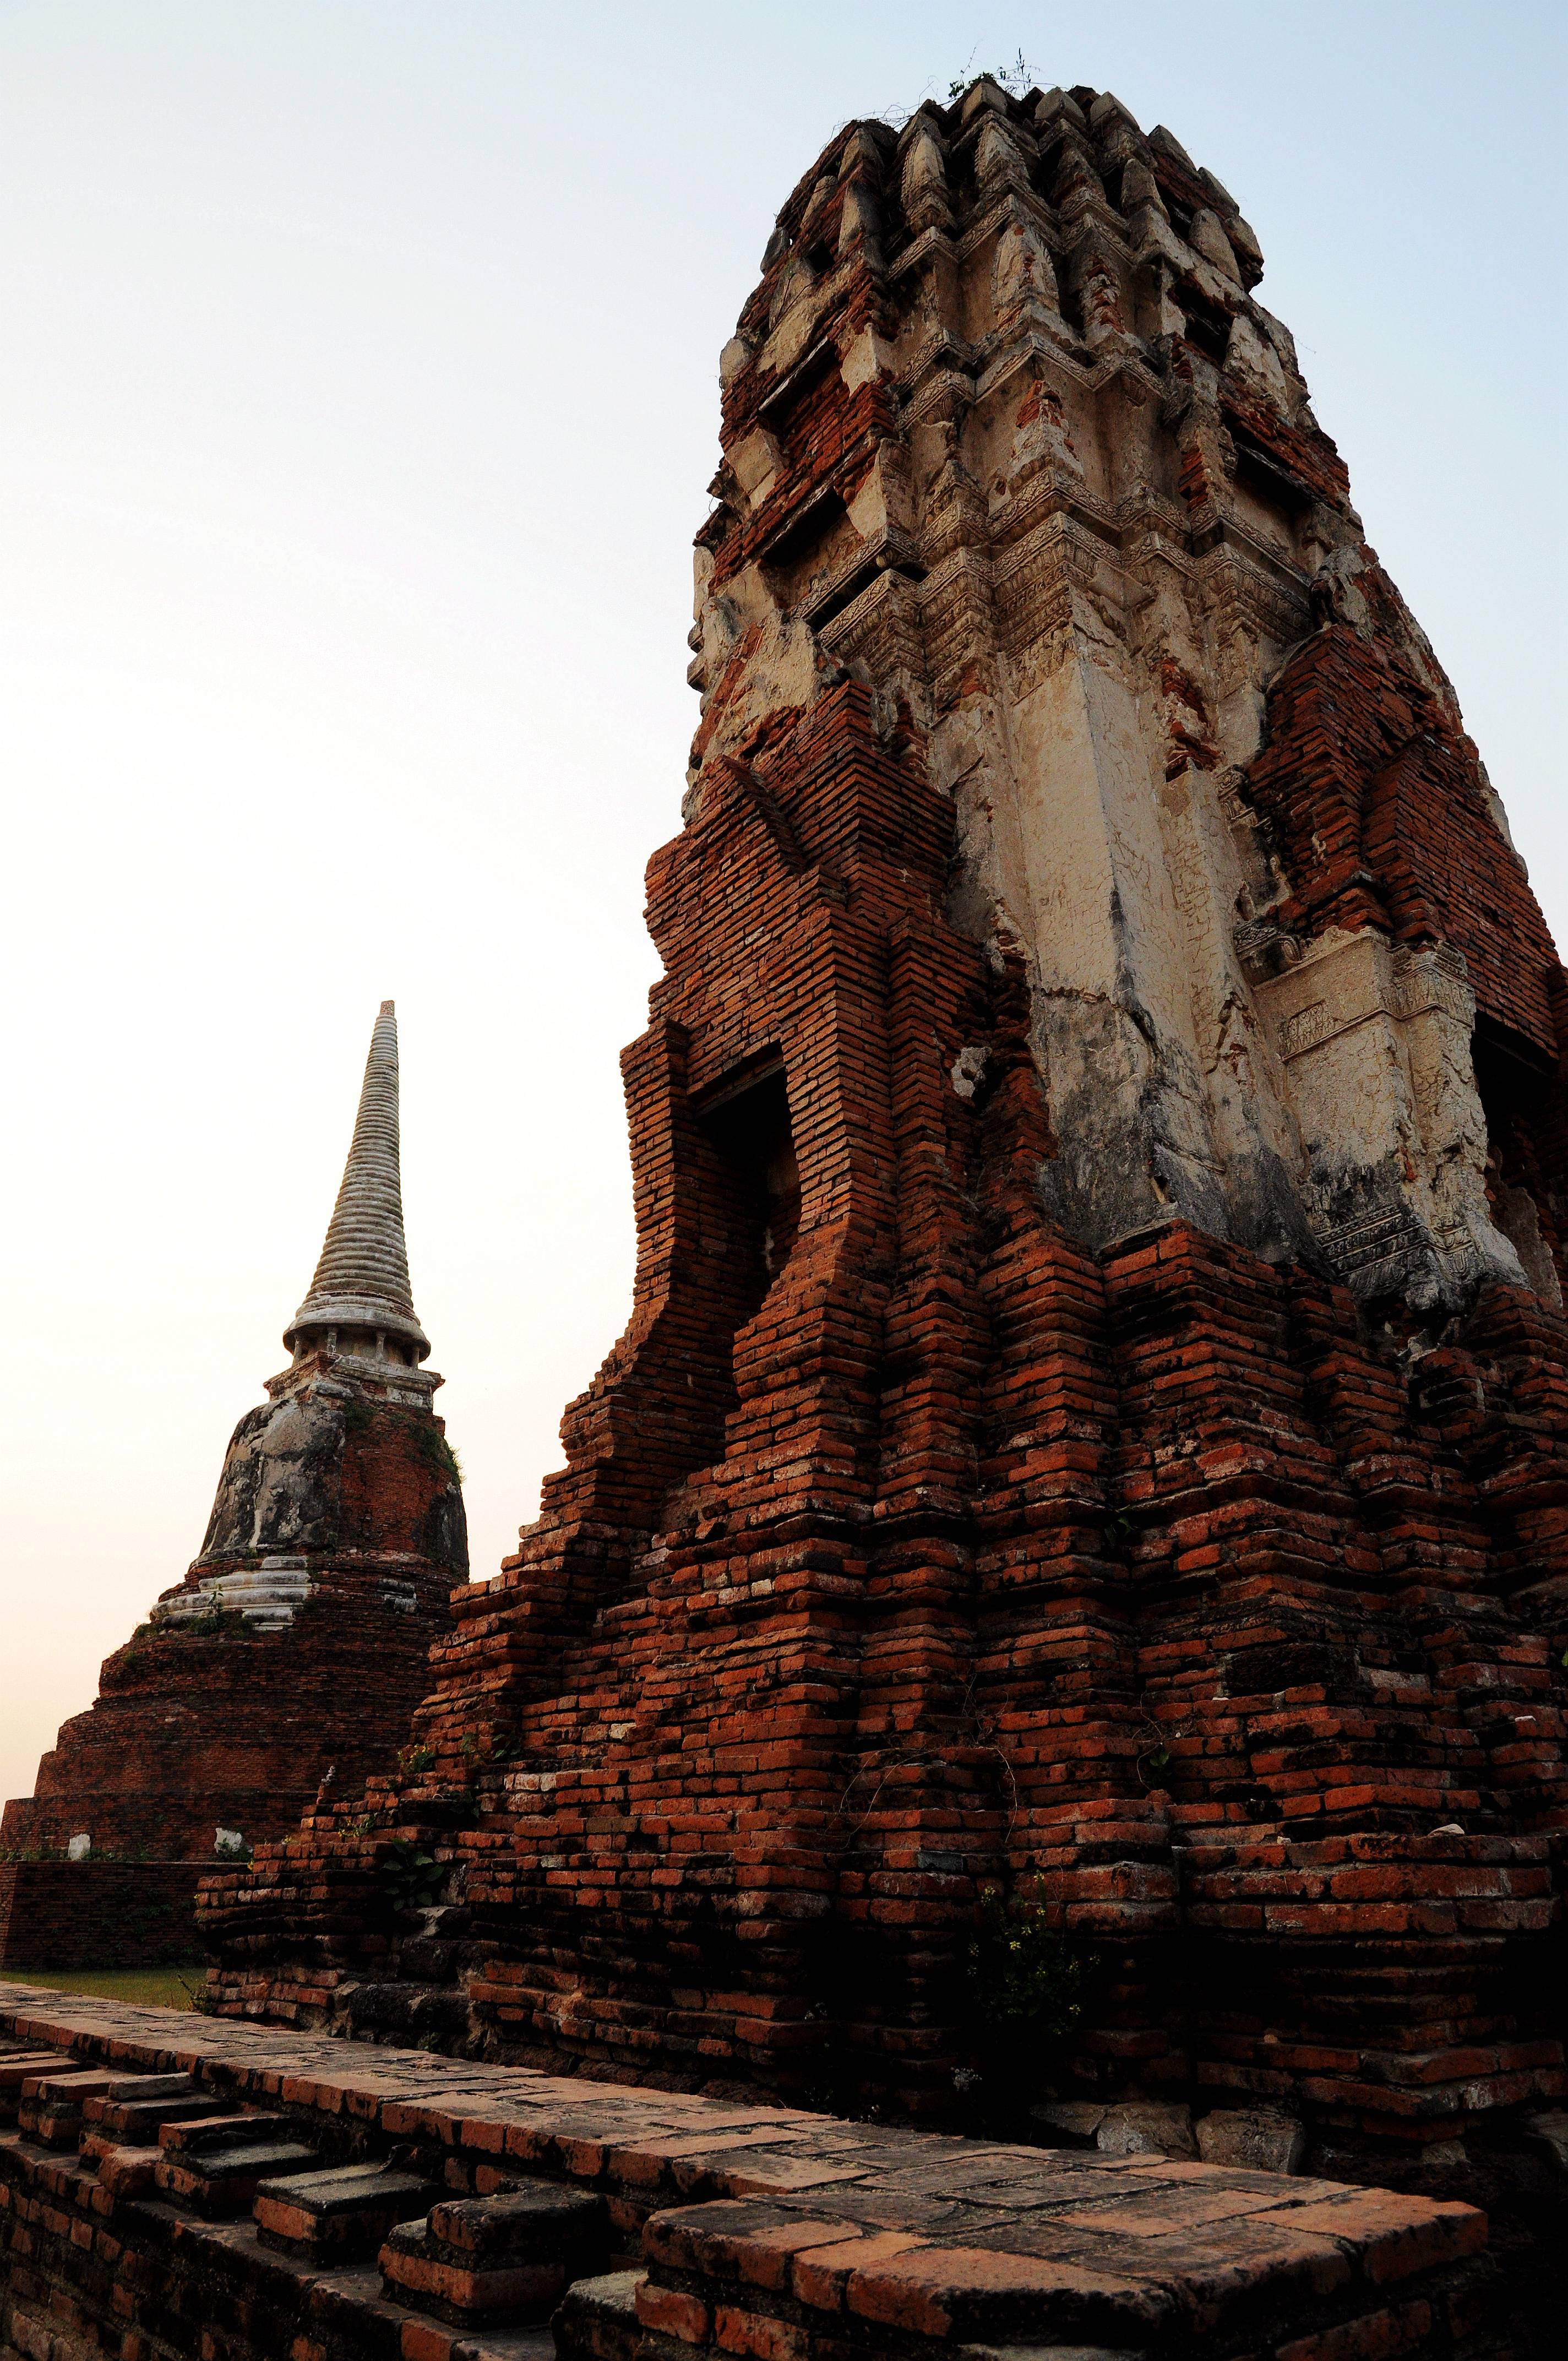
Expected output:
(411, 1878)
(1025, 1983)
(197, 1994)
(415, 1759)
(357, 1417)
(440, 1453)
(212, 1623)
(1015, 78)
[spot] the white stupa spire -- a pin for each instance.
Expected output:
(362, 1279)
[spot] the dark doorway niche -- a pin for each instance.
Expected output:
(751, 1204)
(1526, 1154)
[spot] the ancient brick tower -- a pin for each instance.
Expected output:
(1095, 1408)
(296, 1643)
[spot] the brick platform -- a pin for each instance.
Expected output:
(755, 2230)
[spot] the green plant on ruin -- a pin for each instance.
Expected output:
(210, 1626)
(440, 1453)
(1024, 1981)
(1154, 1756)
(200, 1998)
(415, 1759)
(1014, 79)
(411, 1878)
(357, 1417)
(213, 1622)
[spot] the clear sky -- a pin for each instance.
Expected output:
(357, 394)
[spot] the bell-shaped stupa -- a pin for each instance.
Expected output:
(296, 1645)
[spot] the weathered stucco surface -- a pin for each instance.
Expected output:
(1103, 516)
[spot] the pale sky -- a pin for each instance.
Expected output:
(357, 395)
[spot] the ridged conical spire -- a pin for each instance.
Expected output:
(362, 1279)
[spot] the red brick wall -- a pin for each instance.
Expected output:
(1377, 802)
(97, 1914)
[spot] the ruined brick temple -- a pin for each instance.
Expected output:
(1095, 1405)
(1092, 1427)
(295, 1648)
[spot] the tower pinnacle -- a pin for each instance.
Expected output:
(362, 1280)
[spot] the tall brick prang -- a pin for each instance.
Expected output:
(294, 1650)
(1094, 1414)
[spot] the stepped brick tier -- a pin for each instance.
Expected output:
(170, 2189)
(1094, 1416)
(296, 1648)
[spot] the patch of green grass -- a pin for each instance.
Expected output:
(147, 1987)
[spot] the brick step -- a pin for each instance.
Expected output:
(50, 2105)
(340, 2216)
(196, 2134)
(219, 2186)
(598, 2320)
(485, 2257)
(17, 2067)
(119, 2164)
(167, 2099)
